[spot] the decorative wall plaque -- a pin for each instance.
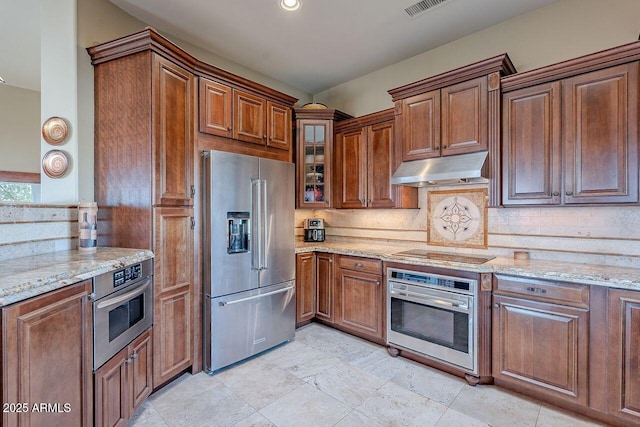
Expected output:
(55, 130)
(55, 163)
(457, 218)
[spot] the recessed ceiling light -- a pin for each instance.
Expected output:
(290, 5)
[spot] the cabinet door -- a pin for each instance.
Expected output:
(380, 165)
(47, 358)
(531, 145)
(140, 375)
(173, 296)
(324, 286)
(359, 303)
(351, 169)
(173, 141)
(279, 126)
(623, 351)
(112, 392)
(249, 118)
(601, 136)
(314, 164)
(464, 117)
(421, 126)
(305, 287)
(215, 108)
(541, 347)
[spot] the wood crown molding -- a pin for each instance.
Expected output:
(367, 120)
(320, 114)
(500, 63)
(150, 39)
(603, 59)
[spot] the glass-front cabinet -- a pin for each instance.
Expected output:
(314, 161)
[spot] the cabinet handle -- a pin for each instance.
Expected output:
(193, 191)
(134, 356)
(569, 193)
(537, 290)
(555, 194)
(358, 264)
(193, 223)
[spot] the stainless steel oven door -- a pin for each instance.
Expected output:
(119, 318)
(435, 323)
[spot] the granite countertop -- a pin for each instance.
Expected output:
(601, 275)
(27, 277)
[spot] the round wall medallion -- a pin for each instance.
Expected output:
(55, 163)
(55, 130)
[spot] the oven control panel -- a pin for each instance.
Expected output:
(127, 274)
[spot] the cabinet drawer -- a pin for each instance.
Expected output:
(543, 290)
(360, 264)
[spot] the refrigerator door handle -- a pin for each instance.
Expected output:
(279, 291)
(264, 226)
(256, 242)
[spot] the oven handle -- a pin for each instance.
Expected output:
(109, 302)
(434, 302)
(235, 301)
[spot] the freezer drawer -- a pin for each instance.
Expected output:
(247, 323)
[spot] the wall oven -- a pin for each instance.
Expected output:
(122, 309)
(434, 315)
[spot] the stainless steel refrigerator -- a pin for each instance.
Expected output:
(249, 277)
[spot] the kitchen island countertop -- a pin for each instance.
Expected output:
(600, 275)
(31, 276)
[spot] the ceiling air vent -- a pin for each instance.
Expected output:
(422, 6)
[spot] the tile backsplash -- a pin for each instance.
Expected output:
(608, 235)
(33, 229)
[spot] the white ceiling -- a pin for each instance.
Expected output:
(325, 43)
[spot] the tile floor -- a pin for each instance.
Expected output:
(327, 378)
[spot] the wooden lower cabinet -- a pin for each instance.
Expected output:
(543, 347)
(173, 293)
(624, 354)
(124, 382)
(305, 288)
(359, 298)
(324, 286)
(46, 359)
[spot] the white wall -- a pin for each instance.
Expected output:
(563, 30)
(19, 129)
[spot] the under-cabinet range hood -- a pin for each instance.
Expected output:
(460, 169)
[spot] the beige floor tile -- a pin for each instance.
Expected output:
(217, 406)
(554, 417)
(347, 347)
(381, 364)
(496, 407)
(306, 362)
(393, 405)
(357, 419)
(429, 382)
(255, 420)
(259, 382)
(186, 386)
(346, 383)
(305, 406)
(453, 418)
(146, 416)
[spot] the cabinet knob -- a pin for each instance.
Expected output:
(358, 264)
(555, 194)
(229, 128)
(377, 282)
(496, 305)
(437, 147)
(264, 136)
(569, 193)
(128, 361)
(444, 147)
(134, 356)
(330, 261)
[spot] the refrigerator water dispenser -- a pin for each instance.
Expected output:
(237, 232)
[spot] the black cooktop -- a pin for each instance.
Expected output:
(444, 256)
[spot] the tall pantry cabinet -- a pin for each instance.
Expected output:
(144, 97)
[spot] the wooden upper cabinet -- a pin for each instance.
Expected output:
(172, 119)
(249, 117)
(601, 136)
(351, 169)
(47, 355)
(215, 108)
(279, 126)
(380, 148)
(464, 117)
(421, 126)
(531, 145)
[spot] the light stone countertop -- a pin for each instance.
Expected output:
(601, 275)
(30, 276)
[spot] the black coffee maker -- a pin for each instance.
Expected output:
(314, 230)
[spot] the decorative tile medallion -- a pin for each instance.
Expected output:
(457, 218)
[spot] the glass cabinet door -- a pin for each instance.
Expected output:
(314, 163)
